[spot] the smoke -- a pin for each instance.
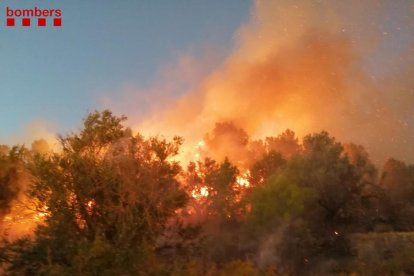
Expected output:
(309, 67)
(38, 134)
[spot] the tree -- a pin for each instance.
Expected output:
(398, 182)
(324, 168)
(218, 210)
(12, 176)
(286, 143)
(108, 197)
(276, 203)
(311, 204)
(359, 158)
(270, 164)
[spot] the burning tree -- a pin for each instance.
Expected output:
(108, 194)
(11, 173)
(114, 203)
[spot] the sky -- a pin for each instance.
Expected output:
(180, 66)
(56, 75)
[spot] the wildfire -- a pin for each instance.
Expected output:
(204, 191)
(22, 220)
(39, 216)
(7, 218)
(243, 179)
(200, 193)
(90, 206)
(90, 203)
(198, 148)
(200, 144)
(24, 214)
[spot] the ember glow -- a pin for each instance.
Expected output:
(243, 180)
(22, 220)
(200, 193)
(199, 150)
(200, 144)
(39, 216)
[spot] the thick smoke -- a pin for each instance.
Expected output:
(303, 66)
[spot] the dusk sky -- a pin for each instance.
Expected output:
(106, 50)
(59, 74)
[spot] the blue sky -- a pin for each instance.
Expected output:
(58, 74)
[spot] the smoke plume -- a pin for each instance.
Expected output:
(304, 67)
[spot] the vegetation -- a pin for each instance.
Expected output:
(115, 203)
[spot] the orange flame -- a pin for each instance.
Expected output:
(243, 179)
(200, 193)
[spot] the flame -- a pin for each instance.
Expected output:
(243, 179)
(198, 150)
(200, 193)
(39, 216)
(23, 214)
(200, 144)
(7, 218)
(23, 218)
(90, 203)
(204, 191)
(90, 206)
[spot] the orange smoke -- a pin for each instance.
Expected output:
(295, 66)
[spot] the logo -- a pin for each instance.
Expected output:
(33, 17)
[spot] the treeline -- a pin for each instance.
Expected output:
(120, 204)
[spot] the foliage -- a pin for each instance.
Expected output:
(384, 253)
(108, 197)
(398, 182)
(286, 143)
(12, 173)
(118, 204)
(268, 165)
(276, 204)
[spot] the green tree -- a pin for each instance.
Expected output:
(270, 164)
(312, 204)
(325, 168)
